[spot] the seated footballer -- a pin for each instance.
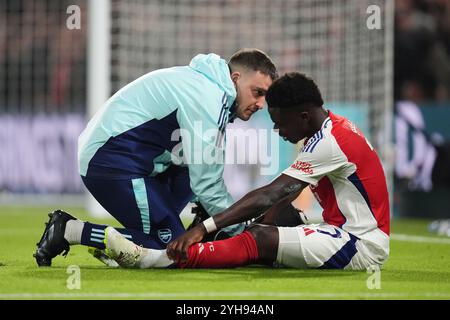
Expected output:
(340, 167)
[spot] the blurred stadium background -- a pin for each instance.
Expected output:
(393, 82)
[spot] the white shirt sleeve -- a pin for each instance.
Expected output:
(318, 158)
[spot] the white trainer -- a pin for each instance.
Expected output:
(126, 253)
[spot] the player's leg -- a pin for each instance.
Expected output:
(127, 202)
(181, 193)
(179, 182)
(266, 238)
(137, 204)
(320, 246)
(258, 245)
(63, 229)
(143, 206)
(180, 187)
(288, 216)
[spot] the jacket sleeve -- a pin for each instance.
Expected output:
(203, 151)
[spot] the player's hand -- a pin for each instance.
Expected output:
(177, 249)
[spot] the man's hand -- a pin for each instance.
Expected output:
(177, 249)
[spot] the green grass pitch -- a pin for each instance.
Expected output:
(418, 268)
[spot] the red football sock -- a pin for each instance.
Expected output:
(233, 252)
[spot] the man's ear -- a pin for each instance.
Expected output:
(235, 76)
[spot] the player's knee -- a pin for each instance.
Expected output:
(266, 238)
(289, 217)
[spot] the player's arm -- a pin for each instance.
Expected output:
(283, 189)
(278, 194)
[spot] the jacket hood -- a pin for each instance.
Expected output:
(216, 70)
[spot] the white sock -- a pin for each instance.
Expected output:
(74, 229)
(152, 258)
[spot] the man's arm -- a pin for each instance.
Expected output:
(258, 201)
(251, 205)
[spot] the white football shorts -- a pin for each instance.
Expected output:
(324, 246)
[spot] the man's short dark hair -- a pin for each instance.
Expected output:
(294, 89)
(255, 60)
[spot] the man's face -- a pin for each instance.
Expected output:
(251, 87)
(292, 125)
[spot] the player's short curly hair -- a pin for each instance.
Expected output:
(294, 89)
(255, 60)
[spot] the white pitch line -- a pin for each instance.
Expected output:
(157, 295)
(420, 239)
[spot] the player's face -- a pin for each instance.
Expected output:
(251, 90)
(291, 124)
